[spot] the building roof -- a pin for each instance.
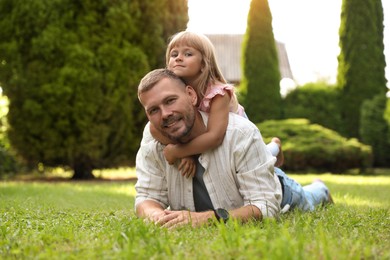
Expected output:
(228, 51)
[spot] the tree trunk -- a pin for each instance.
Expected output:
(82, 171)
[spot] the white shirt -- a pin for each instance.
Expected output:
(239, 172)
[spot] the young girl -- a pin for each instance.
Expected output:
(191, 56)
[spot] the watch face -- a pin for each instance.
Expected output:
(222, 214)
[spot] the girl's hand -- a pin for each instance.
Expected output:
(169, 153)
(187, 167)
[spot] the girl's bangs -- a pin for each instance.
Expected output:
(187, 40)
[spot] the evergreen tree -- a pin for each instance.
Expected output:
(260, 85)
(374, 129)
(71, 69)
(361, 70)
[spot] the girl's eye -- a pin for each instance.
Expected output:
(188, 54)
(173, 54)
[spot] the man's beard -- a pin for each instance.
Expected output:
(182, 137)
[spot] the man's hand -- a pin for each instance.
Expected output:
(175, 219)
(151, 211)
(156, 216)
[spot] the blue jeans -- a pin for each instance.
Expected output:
(304, 198)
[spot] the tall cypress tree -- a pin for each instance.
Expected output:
(375, 129)
(361, 70)
(261, 76)
(71, 69)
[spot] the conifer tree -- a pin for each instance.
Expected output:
(71, 69)
(361, 69)
(260, 85)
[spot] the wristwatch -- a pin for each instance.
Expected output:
(221, 214)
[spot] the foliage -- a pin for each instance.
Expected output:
(387, 111)
(260, 87)
(318, 102)
(92, 220)
(71, 69)
(375, 129)
(309, 146)
(8, 162)
(4, 142)
(361, 67)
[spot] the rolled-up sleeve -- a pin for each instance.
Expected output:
(151, 182)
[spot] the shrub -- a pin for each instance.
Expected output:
(321, 98)
(309, 146)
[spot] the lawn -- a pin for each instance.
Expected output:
(95, 220)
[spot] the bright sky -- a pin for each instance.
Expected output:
(308, 28)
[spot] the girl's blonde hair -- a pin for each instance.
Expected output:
(210, 73)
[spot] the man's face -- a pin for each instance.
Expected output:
(170, 108)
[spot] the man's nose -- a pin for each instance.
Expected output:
(166, 112)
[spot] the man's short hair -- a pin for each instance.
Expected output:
(155, 76)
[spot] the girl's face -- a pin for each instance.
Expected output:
(186, 62)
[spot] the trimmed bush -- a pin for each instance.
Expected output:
(312, 147)
(317, 102)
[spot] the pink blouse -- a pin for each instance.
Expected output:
(213, 90)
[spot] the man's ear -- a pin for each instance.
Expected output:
(192, 95)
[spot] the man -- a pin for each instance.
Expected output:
(236, 180)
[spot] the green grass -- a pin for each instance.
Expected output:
(95, 220)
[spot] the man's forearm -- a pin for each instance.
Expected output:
(150, 209)
(246, 213)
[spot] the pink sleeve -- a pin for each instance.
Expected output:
(211, 92)
(241, 111)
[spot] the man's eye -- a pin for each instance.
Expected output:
(170, 101)
(152, 111)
